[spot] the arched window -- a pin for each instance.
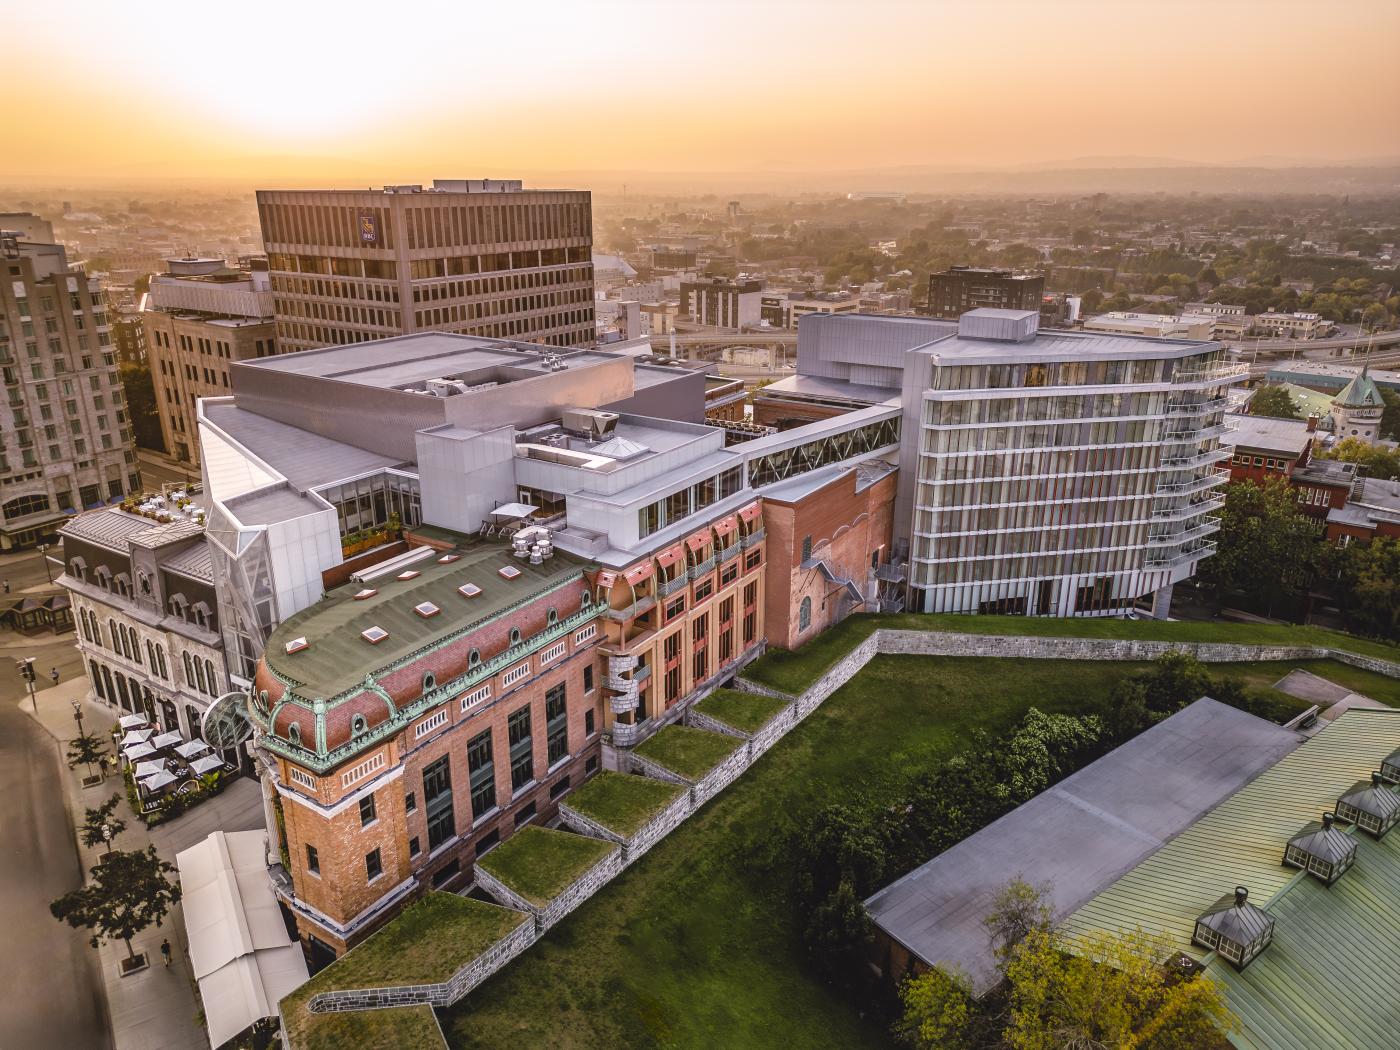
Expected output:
(515, 636)
(804, 614)
(199, 675)
(135, 644)
(192, 717)
(164, 668)
(358, 725)
(294, 734)
(209, 674)
(551, 617)
(587, 598)
(429, 682)
(151, 656)
(96, 677)
(116, 639)
(473, 659)
(189, 671)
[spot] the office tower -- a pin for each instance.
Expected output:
(65, 442)
(722, 302)
(481, 257)
(200, 316)
(959, 289)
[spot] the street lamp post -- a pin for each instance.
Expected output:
(78, 717)
(26, 671)
(44, 557)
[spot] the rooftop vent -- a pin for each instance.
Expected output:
(589, 422)
(296, 645)
(1235, 929)
(1390, 767)
(408, 574)
(367, 592)
(448, 559)
(469, 590)
(374, 635)
(1321, 850)
(426, 609)
(1373, 807)
(508, 572)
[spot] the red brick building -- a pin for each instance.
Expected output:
(829, 544)
(1267, 448)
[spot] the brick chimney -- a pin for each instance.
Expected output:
(1312, 424)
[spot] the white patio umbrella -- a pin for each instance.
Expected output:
(158, 780)
(137, 736)
(167, 740)
(146, 769)
(208, 764)
(138, 751)
(194, 747)
(129, 721)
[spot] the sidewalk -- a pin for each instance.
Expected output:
(157, 1008)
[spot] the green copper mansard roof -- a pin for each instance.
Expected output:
(1361, 392)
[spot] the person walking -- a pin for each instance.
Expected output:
(165, 950)
(7, 586)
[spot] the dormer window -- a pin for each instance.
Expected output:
(515, 636)
(294, 734)
(1390, 767)
(429, 682)
(551, 617)
(145, 581)
(358, 726)
(1321, 850)
(473, 659)
(1235, 929)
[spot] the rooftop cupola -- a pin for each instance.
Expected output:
(1321, 850)
(1235, 929)
(1373, 807)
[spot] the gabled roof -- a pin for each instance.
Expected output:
(1361, 392)
(1081, 834)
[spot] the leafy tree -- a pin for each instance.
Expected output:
(1176, 679)
(1378, 462)
(1104, 991)
(1390, 418)
(1369, 579)
(1126, 714)
(939, 1011)
(128, 893)
(1018, 910)
(1273, 401)
(1267, 551)
(102, 825)
(139, 389)
(85, 749)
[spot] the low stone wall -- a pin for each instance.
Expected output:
(700, 720)
(719, 778)
(774, 731)
(576, 821)
(1389, 668)
(503, 893)
(656, 829)
(1012, 647)
(647, 768)
(587, 884)
(445, 994)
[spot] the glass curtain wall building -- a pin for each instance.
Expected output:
(1058, 475)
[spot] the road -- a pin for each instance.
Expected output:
(53, 995)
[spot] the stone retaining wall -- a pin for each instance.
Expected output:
(656, 829)
(700, 720)
(445, 994)
(584, 825)
(647, 768)
(578, 891)
(719, 778)
(503, 893)
(774, 731)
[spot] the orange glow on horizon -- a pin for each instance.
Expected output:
(353, 92)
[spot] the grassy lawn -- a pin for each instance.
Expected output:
(539, 863)
(1262, 676)
(687, 752)
(693, 947)
(623, 802)
(793, 671)
(402, 1028)
(746, 712)
(427, 944)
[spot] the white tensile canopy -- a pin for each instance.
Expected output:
(239, 949)
(146, 769)
(130, 721)
(207, 764)
(138, 751)
(194, 747)
(137, 736)
(167, 740)
(158, 780)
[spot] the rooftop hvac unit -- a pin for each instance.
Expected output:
(590, 422)
(445, 387)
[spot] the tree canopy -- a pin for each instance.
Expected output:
(129, 892)
(1273, 401)
(1267, 550)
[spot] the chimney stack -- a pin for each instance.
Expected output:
(1312, 423)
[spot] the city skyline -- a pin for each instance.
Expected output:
(777, 88)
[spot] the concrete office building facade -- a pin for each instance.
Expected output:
(482, 257)
(200, 316)
(65, 440)
(958, 289)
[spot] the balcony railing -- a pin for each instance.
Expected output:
(752, 538)
(730, 552)
(1200, 408)
(1191, 510)
(630, 612)
(1205, 528)
(1215, 372)
(1181, 488)
(703, 568)
(1215, 455)
(1167, 559)
(668, 587)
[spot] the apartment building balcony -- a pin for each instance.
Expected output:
(1177, 536)
(752, 538)
(703, 568)
(729, 553)
(1196, 434)
(1198, 408)
(630, 612)
(1208, 480)
(665, 588)
(1199, 459)
(1212, 374)
(1170, 558)
(1190, 510)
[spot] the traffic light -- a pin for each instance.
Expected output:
(26, 669)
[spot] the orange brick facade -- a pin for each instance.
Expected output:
(847, 529)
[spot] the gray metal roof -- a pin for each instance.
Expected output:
(305, 459)
(273, 504)
(109, 527)
(1082, 834)
(1268, 434)
(194, 562)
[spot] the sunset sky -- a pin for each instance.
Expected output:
(299, 90)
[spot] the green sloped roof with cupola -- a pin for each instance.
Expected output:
(1361, 392)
